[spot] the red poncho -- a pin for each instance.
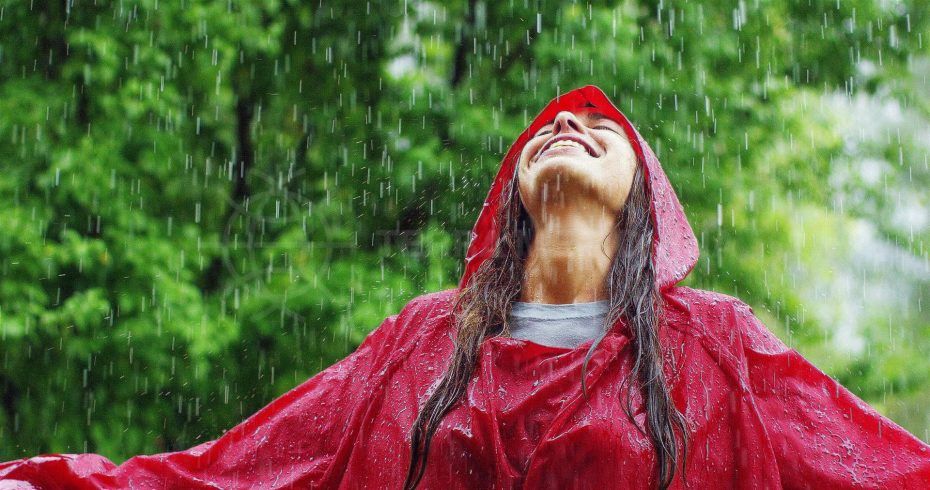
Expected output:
(759, 414)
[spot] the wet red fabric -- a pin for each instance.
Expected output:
(759, 414)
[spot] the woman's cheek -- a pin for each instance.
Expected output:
(605, 144)
(525, 156)
(531, 150)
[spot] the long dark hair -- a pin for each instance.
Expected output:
(482, 307)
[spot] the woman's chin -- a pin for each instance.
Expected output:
(559, 171)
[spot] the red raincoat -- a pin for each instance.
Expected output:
(760, 415)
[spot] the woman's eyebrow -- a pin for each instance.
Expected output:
(597, 116)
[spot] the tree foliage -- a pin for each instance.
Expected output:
(207, 202)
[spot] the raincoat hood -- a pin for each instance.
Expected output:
(675, 248)
(759, 415)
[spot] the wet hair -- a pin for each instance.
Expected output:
(482, 306)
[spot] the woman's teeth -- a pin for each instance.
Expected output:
(566, 143)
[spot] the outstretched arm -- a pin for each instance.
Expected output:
(296, 439)
(823, 435)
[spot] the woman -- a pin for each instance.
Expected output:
(501, 388)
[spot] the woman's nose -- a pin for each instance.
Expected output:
(566, 121)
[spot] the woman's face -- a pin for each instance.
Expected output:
(581, 158)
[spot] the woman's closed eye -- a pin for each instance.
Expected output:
(595, 127)
(607, 128)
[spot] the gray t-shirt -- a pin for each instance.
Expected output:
(566, 325)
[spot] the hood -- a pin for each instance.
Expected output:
(674, 249)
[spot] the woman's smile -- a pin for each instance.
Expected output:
(566, 143)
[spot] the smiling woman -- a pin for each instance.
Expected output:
(575, 228)
(657, 384)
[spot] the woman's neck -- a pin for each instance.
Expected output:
(569, 259)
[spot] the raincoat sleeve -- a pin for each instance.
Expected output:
(296, 439)
(823, 436)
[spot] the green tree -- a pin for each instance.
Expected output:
(207, 202)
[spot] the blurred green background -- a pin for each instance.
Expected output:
(206, 202)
